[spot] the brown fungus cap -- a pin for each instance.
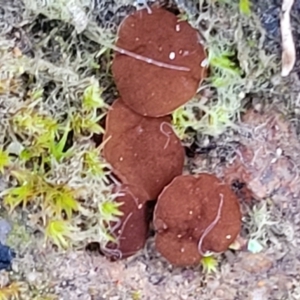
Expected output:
(132, 230)
(142, 151)
(149, 89)
(194, 215)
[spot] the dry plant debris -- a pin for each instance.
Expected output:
(154, 89)
(195, 216)
(268, 160)
(288, 46)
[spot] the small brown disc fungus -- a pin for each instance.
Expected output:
(195, 216)
(130, 232)
(169, 62)
(142, 151)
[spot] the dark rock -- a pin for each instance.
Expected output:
(6, 257)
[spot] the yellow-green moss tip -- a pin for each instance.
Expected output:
(209, 264)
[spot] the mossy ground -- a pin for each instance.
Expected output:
(55, 82)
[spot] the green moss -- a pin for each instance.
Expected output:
(209, 264)
(238, 66)
(11, 291)
(136, 295)
(4, 160)
(260, 220)
(52, 105)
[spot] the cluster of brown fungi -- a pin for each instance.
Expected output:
(158, 65)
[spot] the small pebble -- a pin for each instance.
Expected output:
(256, 263)
(5, 228)
(32, 277)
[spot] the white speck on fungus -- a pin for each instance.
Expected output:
(172, 55)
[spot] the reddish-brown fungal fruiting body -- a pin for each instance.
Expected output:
(142, 151)
(131, 231)
(193, 216)
(175, 62)
(223, 201)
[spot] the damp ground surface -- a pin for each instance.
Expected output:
(272, 220)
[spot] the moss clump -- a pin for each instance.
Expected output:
(12, 291)
(4, 160)
(260, 220)
(209, 264)
(42, 182)
(51, 107)
(238, 66)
